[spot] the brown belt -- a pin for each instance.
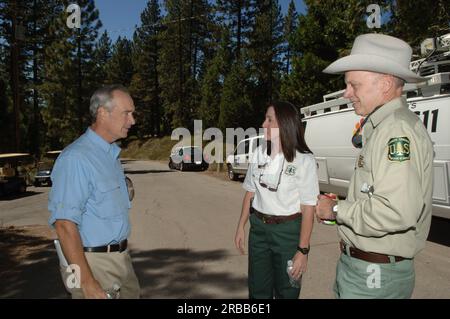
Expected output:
(369, 256)
(271, 219)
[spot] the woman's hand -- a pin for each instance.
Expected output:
(299, 266)
(239, 239)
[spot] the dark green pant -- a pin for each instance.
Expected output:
(270, 247)
(357, 279)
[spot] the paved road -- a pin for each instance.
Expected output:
(182, 238)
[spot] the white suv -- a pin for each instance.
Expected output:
(237, 163)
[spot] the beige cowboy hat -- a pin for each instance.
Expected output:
(377, 53)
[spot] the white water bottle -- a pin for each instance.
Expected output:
(295, 283)
(113, 292)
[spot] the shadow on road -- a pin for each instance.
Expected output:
(28, 266)
(439, 231)
(181, 273)
(17, 196)
(29, 269)
(152, 171)
(125, 161)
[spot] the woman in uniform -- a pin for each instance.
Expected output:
(281, 193)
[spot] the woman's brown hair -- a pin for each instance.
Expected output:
(290, 128)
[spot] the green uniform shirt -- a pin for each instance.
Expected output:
(388, 207)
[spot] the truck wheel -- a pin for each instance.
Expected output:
(22, 188)
(231, 175)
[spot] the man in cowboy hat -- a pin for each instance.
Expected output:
(385, 219)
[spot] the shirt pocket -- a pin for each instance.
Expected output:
(109, 198)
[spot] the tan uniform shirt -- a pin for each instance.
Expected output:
(388, 207)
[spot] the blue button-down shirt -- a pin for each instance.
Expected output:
(89, 189)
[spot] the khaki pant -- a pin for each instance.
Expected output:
(359, 279)
(108, 268)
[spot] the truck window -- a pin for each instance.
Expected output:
(242, 148)
(247, 146)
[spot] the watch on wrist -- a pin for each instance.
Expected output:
(335, 208)
(304, 251)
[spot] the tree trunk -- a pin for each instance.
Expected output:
(15, 75)
(36, 115)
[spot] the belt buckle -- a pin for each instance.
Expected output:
(264, 219)
(345, 248)
(122, 246)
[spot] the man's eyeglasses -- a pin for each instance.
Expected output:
(265, 179)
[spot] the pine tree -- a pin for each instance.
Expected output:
(235, 104)
(119, 68)
(264, 53)
(212, 84)
(70, 75)
(290, 25)
(56, 88)
(5, 122)
(145, 82)
(40, 15)
(324, 34)
(102, 55)
(13, 18)
(414, 21)
(183, 49)
(84, 41)
(235, 16)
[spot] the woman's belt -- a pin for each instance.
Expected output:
(272, 219)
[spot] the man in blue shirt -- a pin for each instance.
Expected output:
(89, 200)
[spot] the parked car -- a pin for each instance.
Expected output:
(45, 167)
(11, 182)
(188, 157)
(237, 163)
(42, 177)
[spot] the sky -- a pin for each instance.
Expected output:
(120, 17)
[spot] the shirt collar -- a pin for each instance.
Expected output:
(388, 108)
(112, 148)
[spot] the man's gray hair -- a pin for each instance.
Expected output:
(103, 97)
